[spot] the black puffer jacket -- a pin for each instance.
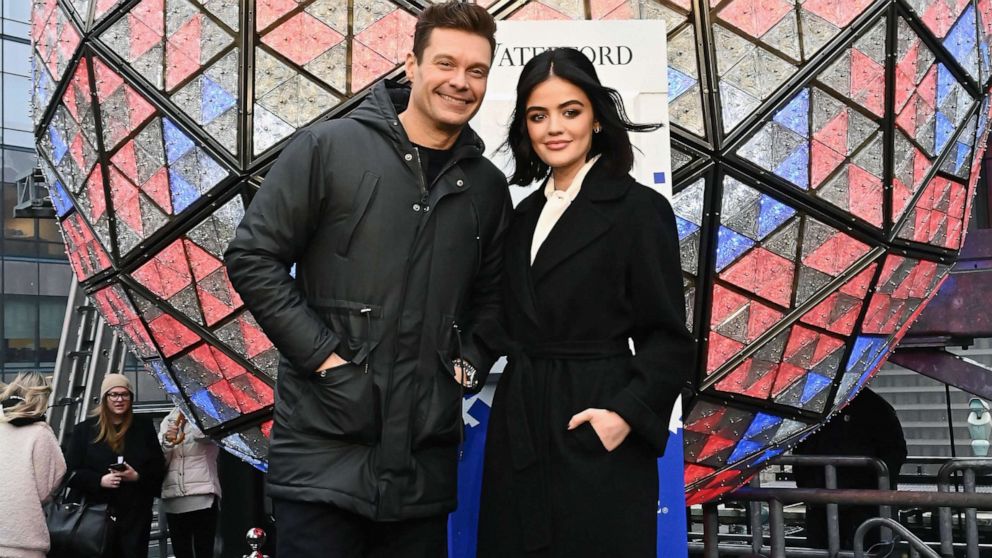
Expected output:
(394, 276)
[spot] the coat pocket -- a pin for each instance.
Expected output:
(343, 403)
(360, 206)
(441, 423)
(585, 438)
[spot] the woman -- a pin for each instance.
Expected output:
(592, 261)
(31, 464)
(116, 458)
(191, 491)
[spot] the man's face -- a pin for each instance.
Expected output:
(449, 82)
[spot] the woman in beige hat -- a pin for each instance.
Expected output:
(116, 458)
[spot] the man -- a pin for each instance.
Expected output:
(867, 427)
(394, 220)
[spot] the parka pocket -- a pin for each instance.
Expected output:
(356, 323)
(343, 403)
(363, 198)
(441, 423)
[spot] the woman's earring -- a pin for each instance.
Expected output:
(597, 129)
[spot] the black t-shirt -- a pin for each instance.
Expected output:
(432, 161)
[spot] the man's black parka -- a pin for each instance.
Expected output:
(398, 277)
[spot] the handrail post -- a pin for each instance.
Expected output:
(884, 483)
(757, 533)
(971, 516)
(833, 521)
(946, 529)
(711, 530)
(776, 527)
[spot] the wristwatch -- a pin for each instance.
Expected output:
(469, 374)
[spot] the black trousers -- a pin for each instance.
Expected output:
(307, 530)
(192, 533)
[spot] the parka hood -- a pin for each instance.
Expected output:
(380, 111)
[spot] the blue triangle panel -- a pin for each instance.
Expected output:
(865, 347)
(795, 115)
(943, 133)
(815, 383)
(729, 246)
(685, 227)
(216, 100)
(678, 83)
(771, 214)
(177, 143)
(770, 454)
(164, 377)
(60, 199)
(945, 84)
(205, 402)
(59, 146)
(962, 155)
(986, 59)
(761, 422)
(983, 116)
(963, 36)
(212, 406)
(795, 167)
(744, 448)
(183, 193)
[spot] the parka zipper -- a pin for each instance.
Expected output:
(424, 198)
(422, 183)
(367, 312)
(461, 389)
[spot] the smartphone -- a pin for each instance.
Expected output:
(119, 467)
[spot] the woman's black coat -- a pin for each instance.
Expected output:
(131, 502)
(608, 271)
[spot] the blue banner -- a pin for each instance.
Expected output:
(462, 524)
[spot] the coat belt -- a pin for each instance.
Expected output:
(530, 473)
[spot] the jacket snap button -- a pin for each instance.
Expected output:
(408, 157)
(460, 183)
(427, 208)
(416, 207)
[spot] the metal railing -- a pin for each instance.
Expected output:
(885, 499)
(967, 467)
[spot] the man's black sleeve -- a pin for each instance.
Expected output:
(273, 235)
(483, 326)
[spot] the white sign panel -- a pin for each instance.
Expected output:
(629, 56)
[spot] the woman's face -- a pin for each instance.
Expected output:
(560, 123)
(118, 401)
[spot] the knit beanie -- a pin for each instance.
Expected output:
(110, 381)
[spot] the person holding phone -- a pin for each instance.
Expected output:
(116, 458)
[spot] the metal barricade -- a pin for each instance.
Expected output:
(968, 468)
(885, 498)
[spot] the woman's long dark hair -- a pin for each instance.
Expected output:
(607, 107)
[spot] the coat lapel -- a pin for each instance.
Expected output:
(582, 223)
(517, 267)
(579, 226)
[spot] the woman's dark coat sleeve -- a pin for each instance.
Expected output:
(272, 236)
(665, 350)
(84, 479)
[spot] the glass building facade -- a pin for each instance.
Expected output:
(35, 275)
